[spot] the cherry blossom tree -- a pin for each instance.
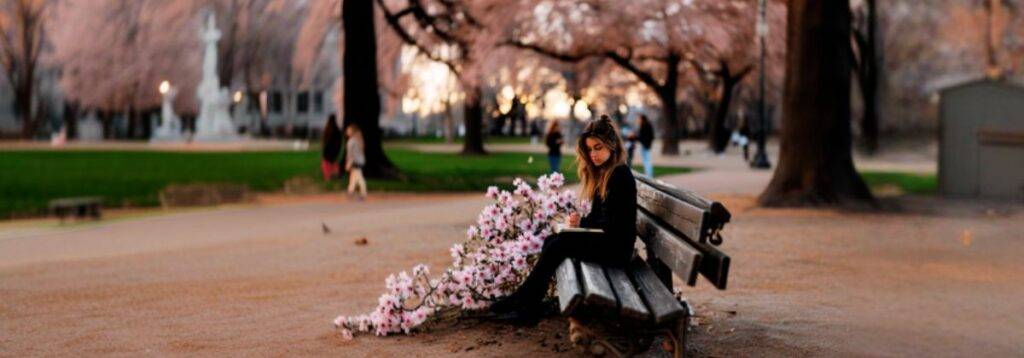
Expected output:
(457, 33)
(144, 43)
(653, 40)
(138, 44)
(22, 25)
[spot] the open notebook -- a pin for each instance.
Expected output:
(562, 228)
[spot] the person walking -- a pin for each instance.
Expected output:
(553, 140)
(646, 138)
(331, 149)
(629, 135)
(355, 160)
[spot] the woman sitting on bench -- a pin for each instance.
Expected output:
(608, 182)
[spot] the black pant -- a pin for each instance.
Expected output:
(588, 247)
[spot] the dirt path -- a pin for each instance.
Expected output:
(941, 278)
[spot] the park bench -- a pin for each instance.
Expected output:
(79, 207)
(620, 310)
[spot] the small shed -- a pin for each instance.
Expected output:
(981, 140)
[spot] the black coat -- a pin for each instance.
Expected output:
(552, 141)
(616, 215)
(646, 135)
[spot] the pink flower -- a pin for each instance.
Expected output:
(496, 256)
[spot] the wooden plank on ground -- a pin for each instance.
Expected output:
(659, 300)
(567, 286)
(630, 303)
(596, 289)
(675, 252)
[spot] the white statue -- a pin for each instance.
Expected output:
(214, 122)
(170, 125)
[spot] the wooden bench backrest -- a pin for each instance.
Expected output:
(677, 226)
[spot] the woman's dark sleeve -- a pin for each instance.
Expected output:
(620, 206)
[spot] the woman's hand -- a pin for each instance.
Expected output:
(573, 220)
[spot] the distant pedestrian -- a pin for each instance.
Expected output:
(645, 136)
(355, 160)
(554, 140)
(331, 142)
(743, 132)
(629, 135)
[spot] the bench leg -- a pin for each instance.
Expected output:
(677, 337)
(602, 342)
(677, 333)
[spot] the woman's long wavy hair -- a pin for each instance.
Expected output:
(594, 179)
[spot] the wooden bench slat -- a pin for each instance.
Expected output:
(686, 218)
(66, 202)
(660, 302)
(596, 289)
(630, 303)
(718, 215)
(682, 258)
(714, 265)
(568, 287)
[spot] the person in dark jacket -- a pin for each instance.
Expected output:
(553, 140)
(646, 138)
(609, 184)
(331, 149)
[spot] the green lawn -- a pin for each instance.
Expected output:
(458, 140)
(906, 182)
(30, 178)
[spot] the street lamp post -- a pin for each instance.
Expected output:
(761, 157)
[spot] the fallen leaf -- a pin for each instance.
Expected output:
(362, 241)
(966, 237)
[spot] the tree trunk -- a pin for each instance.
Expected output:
(71, 120)
(23, 102)
(473, 120)
(669, 112)
(869, 124)
(147, 123)
(869, 80)
(669, 119)
(107, 119)
(449, 121)
(361, 93)
(815, 164)
(719, 138)
(683, 111)
(133, 123)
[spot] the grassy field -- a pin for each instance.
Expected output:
(457, 140)
(907, 182)
(29, 179)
